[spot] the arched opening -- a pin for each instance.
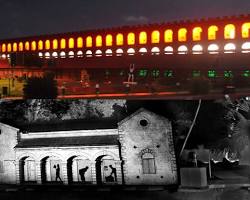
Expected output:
(27, 46)
(9, 47)
(229, 48)
(40, 45)
(182, 49)
(119, 39)
(245, 47)
(20, 46)
(89, 41)
(63, 43)
(213, 49)
(55, 44)
(229, 31)
(15, 47)
(148, 163)
(245, 30)
(212, 32)
(3, 47)
(155, 51)
(79, 42)
(79, 54)
(51, 170)
(143, 51)
(89, 53)
(182, 35)
(33, 46)
(155, 37)
(131, 51)
(131, 39)
(168, 50)
(98, 53)
(197, 49)
(108, 52)
(119, 52)
(106, 172)
(168, 36)
(197, 33)
(47, 44)
(109, 40)
(98, 41)
(143, 37)
(62, 54)
(71, 43)
(47, 55)
(55, 55)
(27, 168)
(71, 54)
(79, 170)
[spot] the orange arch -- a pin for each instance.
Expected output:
(131, 39)
(182, 35)
(143, 37)
(33, 45)
(63, 43)
(9, 47)
(245, 30)
(89, 41)
(27, 46)
(229, 31)
(20, 46)
(109, 40)
(15, 47)
(155, 37)
(71, 43)
(168, 36)
(55, 44)
(197, 33)
(79, 42)
(3, 47)
(98, 41)
(119, 39)
(47, 44)
(40, 45)
(212, 32)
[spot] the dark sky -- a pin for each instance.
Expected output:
(31, 17)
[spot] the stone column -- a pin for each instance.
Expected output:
(93, 172)
(65, 173)
(38, 172)
(17, 172)
(118, 171)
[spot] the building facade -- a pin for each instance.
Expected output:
(139, 150)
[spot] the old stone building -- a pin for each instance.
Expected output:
(137, 150)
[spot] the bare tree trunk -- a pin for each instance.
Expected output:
(191, 127)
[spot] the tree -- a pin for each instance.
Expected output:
(41, 87)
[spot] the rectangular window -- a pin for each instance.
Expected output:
(1, 167)
(168, 73)
(228, 74)
(143, 72)
(196, 73)
(155, 73)
(246, 73)
(211, 74)
(148, 166)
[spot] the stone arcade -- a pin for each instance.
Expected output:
(137, 150)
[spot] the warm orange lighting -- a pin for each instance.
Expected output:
(182, 35)
(212, 32)
(131, 39)
(15, 47)
(119, 39)
(155, 37)
(47, 44)
(9, 47)
(20, 46)
(27, 46)
(40, 45)
(143, 38)
(55, 44)
(3, 47)
(79, 42)
(245, 30)
(98, 41)
(229, 31)
(33, 46)
(71, 43)
(168, 36)
(197, 33)
(89, 41)
(109, 40)
(63, 43)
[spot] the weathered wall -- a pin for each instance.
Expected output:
(8, 140)
(156, 136)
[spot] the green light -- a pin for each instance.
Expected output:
(228, 74)
(246, 73)
(168, 73)
(155, 73)
(211, 73)
(196, 73)
(143, 72)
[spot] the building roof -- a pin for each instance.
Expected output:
(68, 141)
(68, 125)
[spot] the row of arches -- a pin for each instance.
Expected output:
(119, 39)
(183, 49)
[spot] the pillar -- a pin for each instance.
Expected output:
(118, 171)
(93, 172)
(65, 173)
(38, 172)
(17, 172)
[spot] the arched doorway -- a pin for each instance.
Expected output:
(79, 170)
(27, 170)
(51, 170)
(106, 172)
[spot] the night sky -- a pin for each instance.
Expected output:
(34, 17)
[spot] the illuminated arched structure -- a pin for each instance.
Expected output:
(40, 45)
(89, 42)
(245, 30)
(20, 46)
(4, 48)
(47, 45)
(79, 42)
(213, 49)
(182, 35)
(63, 43)
(119, 39)
(109, 40)
(131, 39)
(197, 33)
(71, 43)
(9, 47)
(155, 37)
(143, 37)
(54, 44)
(27, 46)
(212, 32)
(33, 45)
(98, 41)
(229, 31)
(15, 47)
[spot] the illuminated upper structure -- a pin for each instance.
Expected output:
(215, 35)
